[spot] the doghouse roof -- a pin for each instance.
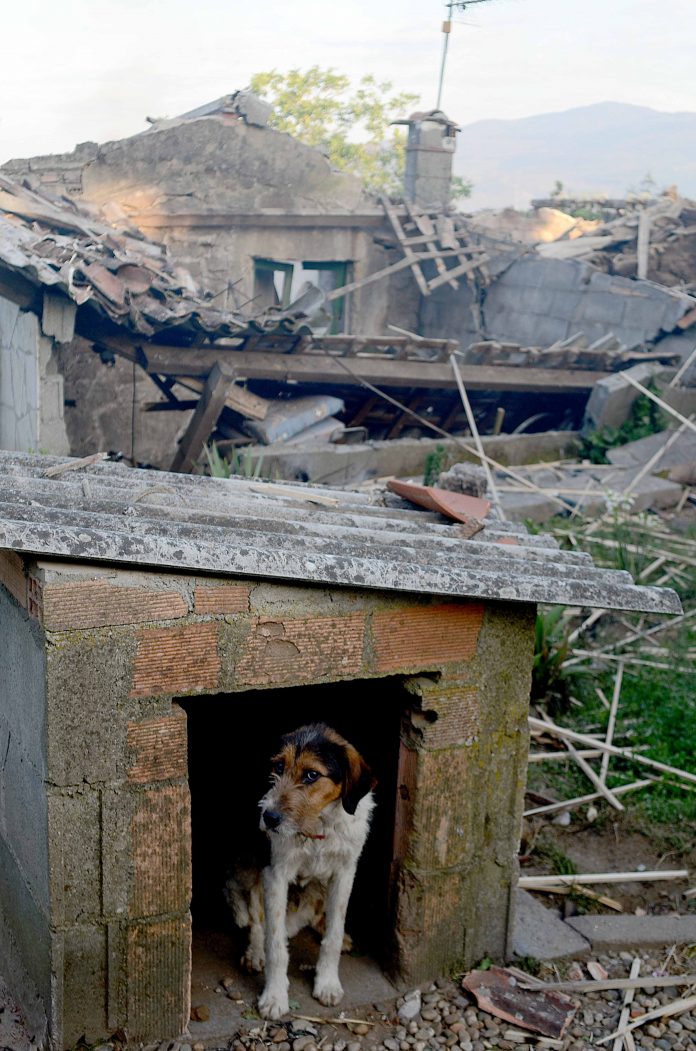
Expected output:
(106, 512)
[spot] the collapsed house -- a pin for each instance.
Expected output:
(396, 288)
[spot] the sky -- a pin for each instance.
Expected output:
(79, 70)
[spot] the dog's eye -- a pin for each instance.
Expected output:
(278, 768)
(311, 776)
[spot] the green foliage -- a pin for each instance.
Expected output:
(434, 462)
(322, 109)
(242, 463)
(353, 125)
(646, 418)
(551, 649)
(461, 187)
(557, 859)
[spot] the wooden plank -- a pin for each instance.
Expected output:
(409, 254)
(238, 399)
(643, 244)
(458, 271)
(204, 418)
(322, 369)
(422, 223)
(401, 264)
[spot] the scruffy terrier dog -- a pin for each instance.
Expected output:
(317, 816)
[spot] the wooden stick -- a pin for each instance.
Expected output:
(591, 775)
(73, 465)
(626, 753)
(655, 458)
(646, 981)
(676, 1008)
(604, 877)
(658, 401)
(611, 903)
(612, 722)
(541, 757)
(626, 1010)
(336, 1021)
(682, 369)
(569, 804)
(476, 436)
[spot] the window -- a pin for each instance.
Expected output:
(278, 283)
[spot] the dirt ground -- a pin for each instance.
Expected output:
(615, 843)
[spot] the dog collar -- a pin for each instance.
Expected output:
(309, 835)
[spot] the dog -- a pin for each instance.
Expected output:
(316, 816)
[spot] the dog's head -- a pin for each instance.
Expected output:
(313, 768)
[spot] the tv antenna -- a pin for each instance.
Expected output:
(452, 5)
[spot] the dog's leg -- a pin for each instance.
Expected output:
(327, 987)
(273, 1002)
(253, 958)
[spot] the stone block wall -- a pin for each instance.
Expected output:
(120, 646)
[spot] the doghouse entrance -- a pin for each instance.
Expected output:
(230, 740)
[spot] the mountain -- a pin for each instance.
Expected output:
(606, 148)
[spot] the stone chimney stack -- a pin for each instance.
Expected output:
(429, 151)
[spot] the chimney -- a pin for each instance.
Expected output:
(429, 151)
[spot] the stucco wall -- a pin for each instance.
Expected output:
(25, 941)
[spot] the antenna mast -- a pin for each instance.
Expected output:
(452, 5)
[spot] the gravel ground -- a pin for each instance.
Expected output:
(442, 1016)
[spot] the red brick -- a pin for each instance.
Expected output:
(425, 636)
(161, 838)
(159, 748)
(222, 598)
(176, 660)
(159, 978)
(305, 650)
(13, 576)
(96, 603)
(458, 710)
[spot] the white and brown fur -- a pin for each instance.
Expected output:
(316, 815)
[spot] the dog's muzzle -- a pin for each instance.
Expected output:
(271, 819)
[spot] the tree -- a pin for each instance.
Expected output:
(321, 108)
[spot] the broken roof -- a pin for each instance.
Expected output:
(126, 277)
(300, 533)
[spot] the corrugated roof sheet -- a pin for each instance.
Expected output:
(299, 533)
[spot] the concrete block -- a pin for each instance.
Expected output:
(158, 748)
(84, 984)
(23, 813)
(614, 933)
(541, 933)
(536, 507)
(601, 307)
(565, 304)
(84, 745)
(612, 398)
(74, 837)
(653, 492)
(635, 454)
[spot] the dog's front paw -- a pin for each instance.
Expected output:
(273, 1004)
(327, 991)
(253, 961)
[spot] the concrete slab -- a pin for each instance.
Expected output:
(539, 932)
(609, 933)
(635, 454)
(216, 956)
(612, 398)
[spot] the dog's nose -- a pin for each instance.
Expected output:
(271, 818)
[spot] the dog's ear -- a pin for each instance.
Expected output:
(358, 780)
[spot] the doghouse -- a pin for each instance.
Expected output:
(144, 611)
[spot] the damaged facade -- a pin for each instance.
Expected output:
(252, 214)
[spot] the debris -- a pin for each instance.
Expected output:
(470, 510)
(200, 1013)
(626, 1009)
(73, 465)
(596, 970)
(626, 753)
(648, 981)
(666, 1011)
(464, 478)
(499, 992)
(571, 804)
(579, 879)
